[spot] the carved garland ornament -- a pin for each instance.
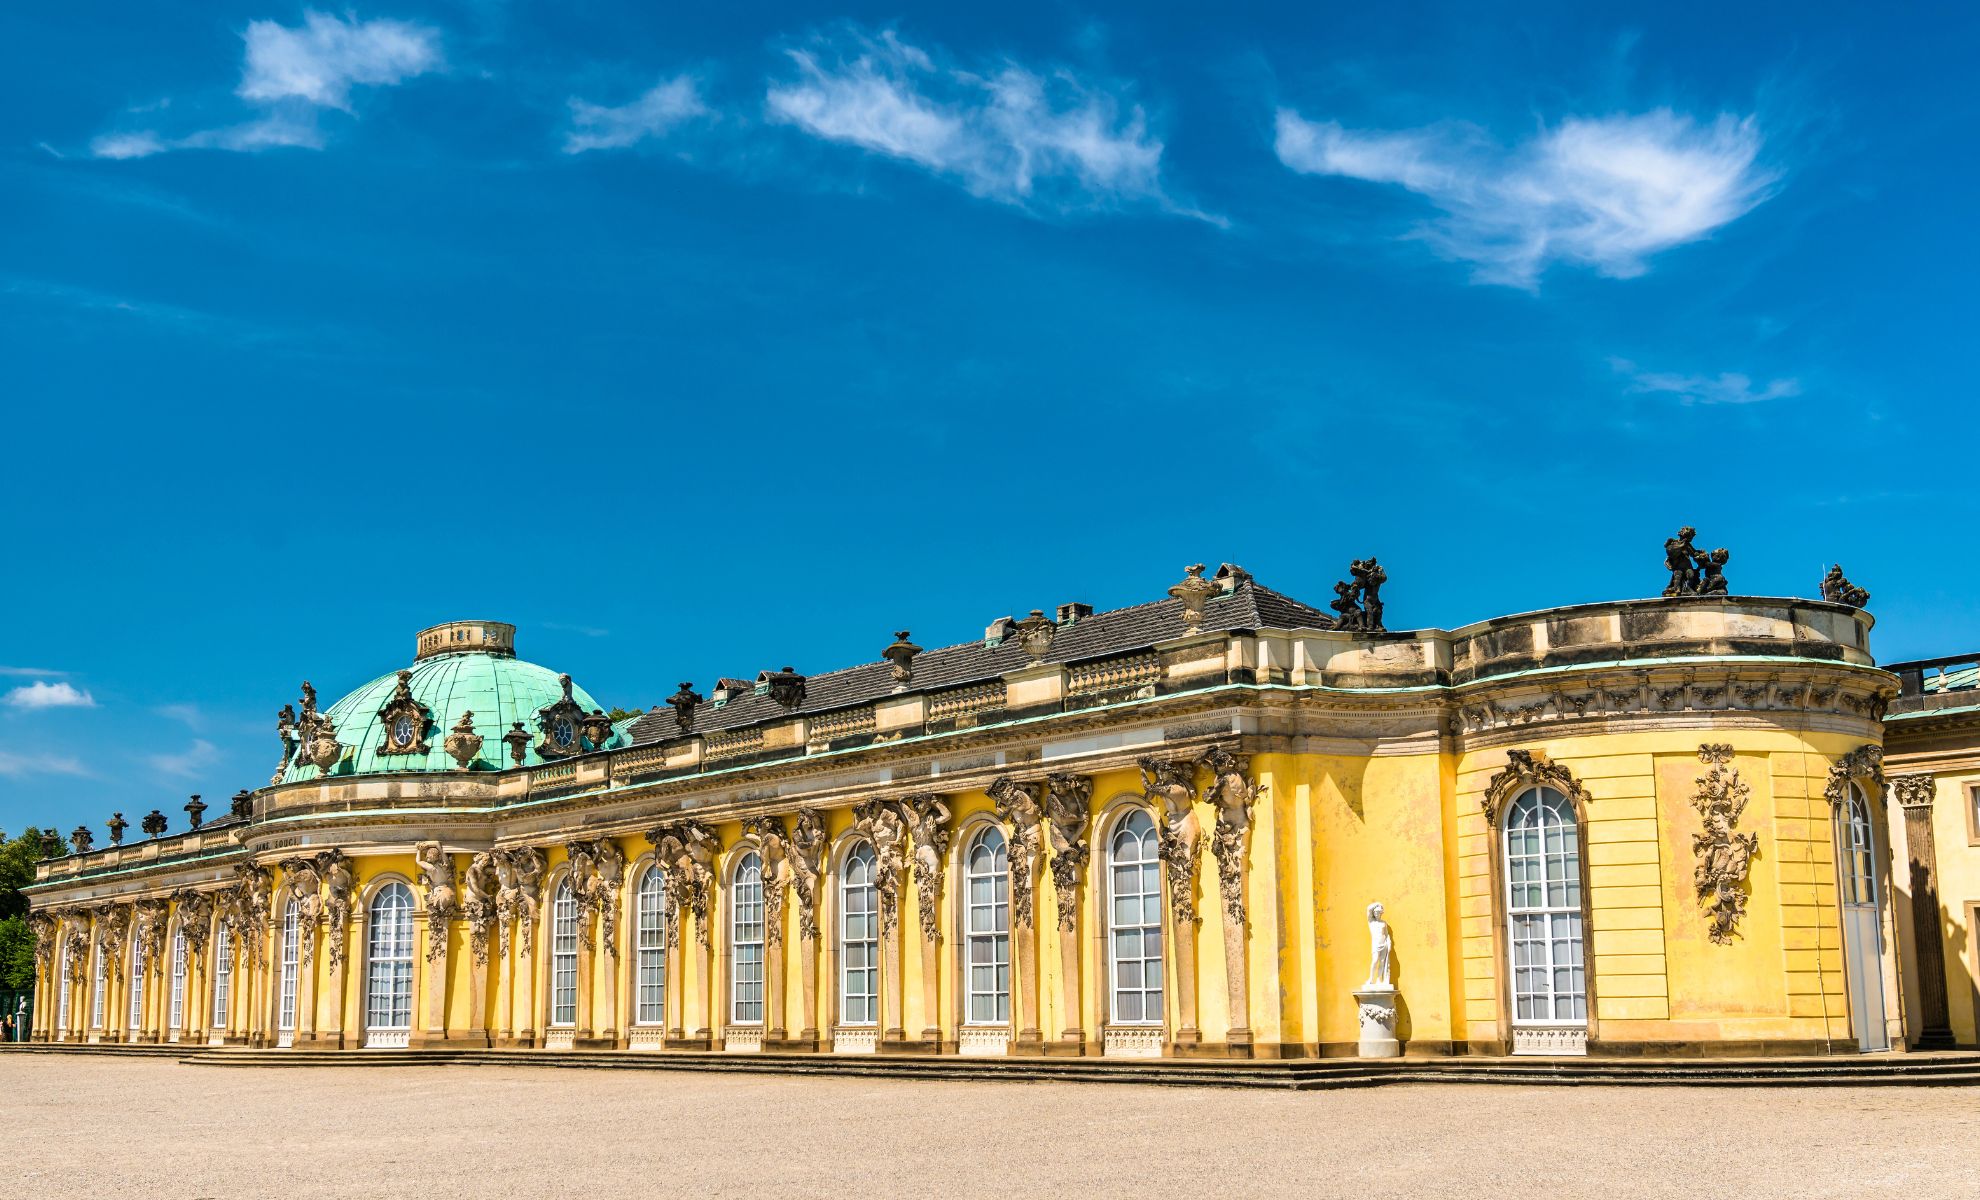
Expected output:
(1067, 799)
(1525, 769)
(481, 890)
(1724, 855)
(1866, 762)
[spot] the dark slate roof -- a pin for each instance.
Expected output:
(1100, 635)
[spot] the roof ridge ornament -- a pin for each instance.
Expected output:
(463, 743)
(786, 687)
(684, 702)
(900, 656)
(1194, 591)
(1837, 589)
(1357, 601)
(1035, 634)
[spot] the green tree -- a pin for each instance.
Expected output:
(619, 714)
(17, 858)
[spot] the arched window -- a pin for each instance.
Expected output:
(1862, 919)
(563, 956)
(746, 943)
(285, 1020)
(1134, 921)
(62, 989)
(650, 938)
(388, 964)
(136, 987)
(859, 939)
(1859, 858)
(223, 975)
(96, 982)
(987, 928)
(1543, 910)
(178, 1009)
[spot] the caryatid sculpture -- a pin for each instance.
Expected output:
(481, 886)
(807, 868)
(339, 882)
(928, 827)
(443, 904)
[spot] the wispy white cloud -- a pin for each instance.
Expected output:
(42, 694)
(30, 672)
(320, 60)
(188, 715)
(290, 74)
(665, 107)
(1601, 192)
(1726, 388)
(13, 765)
(1043, 141)
(188, 763)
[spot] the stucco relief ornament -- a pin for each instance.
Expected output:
(1724, 855)
(1194, 591)
(1524, 769)
(900, 657)
(773, 847)
(1866, 762)
(1171, 786)
(405, 720)
(807, 868)
(684, 702)
(1017, 806)
(928, 825)
(1232, 794)
(436, 876)
(480, 887)
(1067, 800)
(463, 743)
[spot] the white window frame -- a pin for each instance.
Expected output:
(1858, 869)
(746, 941)
(1134, 921)
(99, 984)
(178, 1005)
(1547, 941)
(62, 989)
(223, 975)
(563, 956)
(987, 929)
(650, 949)
(388, 960)
(136, 1013)
(285, 1010)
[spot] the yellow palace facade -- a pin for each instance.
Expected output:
(1644, 827)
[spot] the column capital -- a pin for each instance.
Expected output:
(1913, 791)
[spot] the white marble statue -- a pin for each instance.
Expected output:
(1379, 944)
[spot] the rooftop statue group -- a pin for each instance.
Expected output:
(1694, 572)
(1357, 601)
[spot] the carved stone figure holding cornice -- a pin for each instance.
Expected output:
(463, 743)
(1194, 591)
(195, 917)
(148, 928)
(807, 868)
(518, 889)
(773, 848)
(481, 887)
(928, 825)
(1017, 806)
(78, 939)
(1231, 793)
(113, 926)
(334, 869)
(881, 824)
(689, 849)
(608, 875)
(42, 926)
(306, 889)
(436, 876)
(254, 894)
(1067, 799)
(1172, 787)
(1723, 854)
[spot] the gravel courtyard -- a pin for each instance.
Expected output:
(126, 1127)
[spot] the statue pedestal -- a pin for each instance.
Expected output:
(1377, 1006)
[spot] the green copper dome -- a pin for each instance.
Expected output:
(463, 667)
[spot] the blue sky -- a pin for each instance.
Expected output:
(698, 342)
